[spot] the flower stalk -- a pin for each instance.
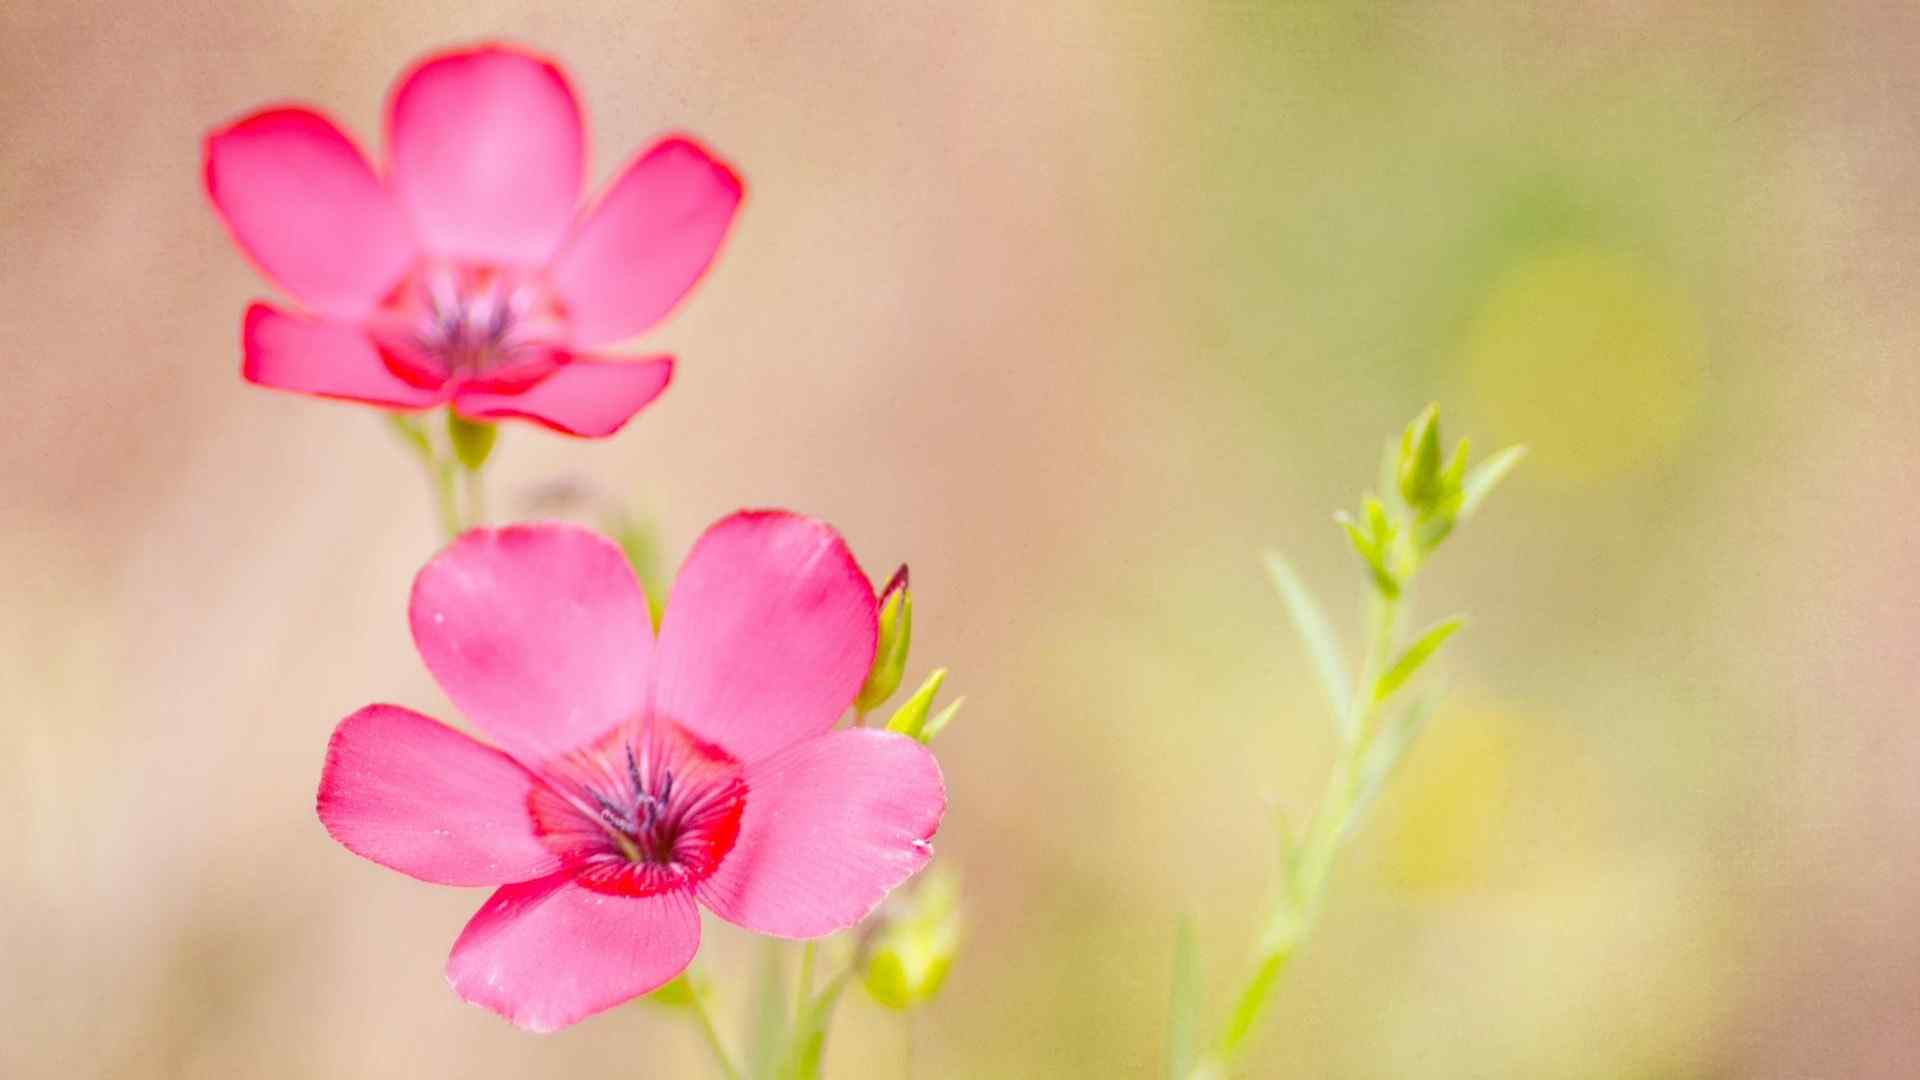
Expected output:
(710, 1034)
(456, 474)
(1423, 498)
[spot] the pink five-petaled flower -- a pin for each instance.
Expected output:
(470, 275)
(635, 775)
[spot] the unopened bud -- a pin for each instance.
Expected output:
(896, 639)
(914, 951)
(472, 439)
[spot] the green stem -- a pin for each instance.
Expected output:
(712, 1036)
(476, 498)
(442, 474)
(1302, 893)
(804, 993)
(439, 470)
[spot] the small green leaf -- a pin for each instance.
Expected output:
(1455, 473)
(1372, 552)
(1183, 1012)
(413, 433)
(1389, 749)
(1311, 622)
(1417, 654)
(472, 439)
(940, 720)
(1484, 477)
(911, 717)
(1420, 459)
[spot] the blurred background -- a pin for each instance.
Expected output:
(1078, 308)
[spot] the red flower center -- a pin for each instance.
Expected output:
(470, 322)
(644, 809)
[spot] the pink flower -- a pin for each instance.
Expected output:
(635, 775)
(469, 274)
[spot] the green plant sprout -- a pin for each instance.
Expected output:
(1423, 496)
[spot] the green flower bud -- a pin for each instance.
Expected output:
(1373, 539)
(472, 439)
(896, 638)
(1433, 492)
(1420, 482)
(914, 949)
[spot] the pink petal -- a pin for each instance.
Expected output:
(539, 633)
(832, 825)
(325, 359)
(768, 634)
(415, 795)
(303, 203)
(647, 242)
(486, 151)
(549, 953)
(587, 396)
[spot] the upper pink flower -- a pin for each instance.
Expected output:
(636, 775)
(470, 274)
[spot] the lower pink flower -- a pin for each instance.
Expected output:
(636, 778)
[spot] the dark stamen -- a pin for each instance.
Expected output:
(633, 774)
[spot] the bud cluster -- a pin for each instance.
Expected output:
(1432, 492)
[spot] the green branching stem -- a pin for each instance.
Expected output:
(1303, 885)
(1423, 495)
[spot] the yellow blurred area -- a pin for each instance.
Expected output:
(1600, 360)
(1450, 805)
(1077, 308)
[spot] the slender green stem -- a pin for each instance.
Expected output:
(1301, 894)
(804, 984)
(712, 1036)
(439, 470)
(476, 498)
(448, 497)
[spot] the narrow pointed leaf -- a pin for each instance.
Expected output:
(413, 433)
(1416, 655)
(911, 717)
(1387, 752)
(940, 720)
(1484, 477)
(1324, 650)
